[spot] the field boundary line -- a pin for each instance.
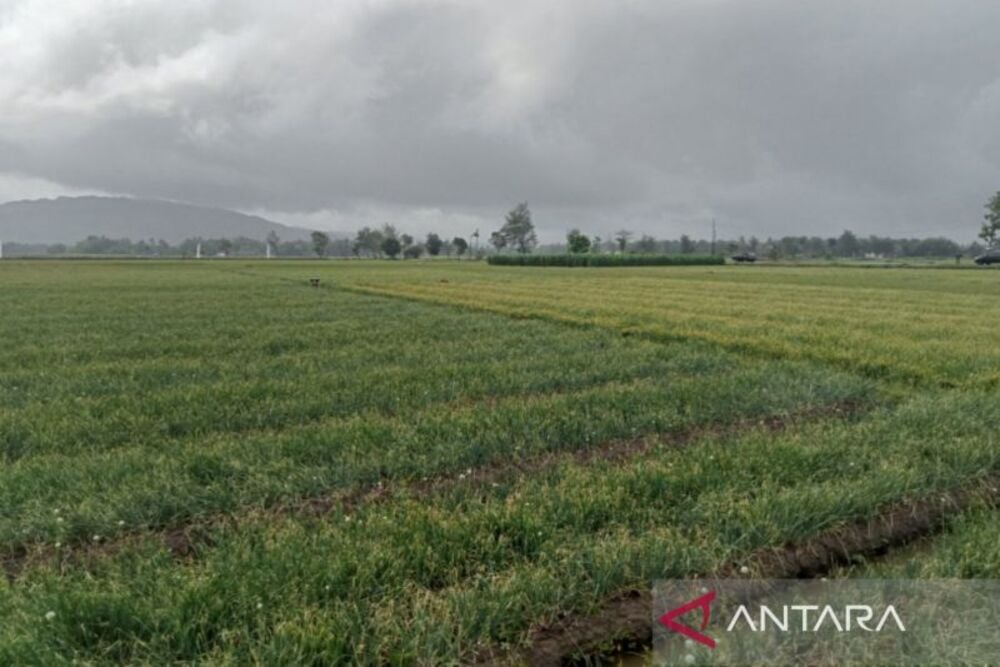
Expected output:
(888, 376)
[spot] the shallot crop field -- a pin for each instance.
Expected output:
(443, 462)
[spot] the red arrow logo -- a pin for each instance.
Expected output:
(705, 604)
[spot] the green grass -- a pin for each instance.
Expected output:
(416, 579)
(464, 411)
(152, 416)
(915, 327)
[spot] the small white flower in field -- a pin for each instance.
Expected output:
(539, 533)
(59, 519)
(260, 605)
(97, 538)
(347, 518)
(55, 511)
(744, 569)
(50, 615)
(469, 471)
(461, 475)
(704, 590)
(688, 644)
(121, 523)
(58, 545)
(689, 659)
(494, 485)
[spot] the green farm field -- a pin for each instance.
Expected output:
(450, 463)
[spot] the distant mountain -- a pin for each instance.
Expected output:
(70, 219)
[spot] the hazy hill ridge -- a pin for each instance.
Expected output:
(70, 219)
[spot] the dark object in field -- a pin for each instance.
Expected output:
(314, 282)
(986, 260)
(744, 257)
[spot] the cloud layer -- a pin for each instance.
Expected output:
(774, 117)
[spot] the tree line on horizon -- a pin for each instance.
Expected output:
(518, 235)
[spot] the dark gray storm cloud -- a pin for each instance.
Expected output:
(774, 117)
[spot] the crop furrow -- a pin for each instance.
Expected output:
(626, 617)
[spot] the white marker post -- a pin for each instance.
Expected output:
(197, 251)
(268, 246)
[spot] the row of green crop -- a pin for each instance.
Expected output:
(294, 356)
(70, 497)
(605, 260)
(433, 581)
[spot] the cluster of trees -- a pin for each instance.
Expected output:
(847, 245)
(240, 246)
(368, 242)
(518, 235)
(388, 242)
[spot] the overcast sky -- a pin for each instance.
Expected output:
(774, 117)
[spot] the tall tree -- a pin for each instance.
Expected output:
(687, 245)
(646, 244)
(848, 244)
(621, 238)
(518, 230)
(990, 232)
(369, 241)
(461, 245)
(433, 244)
(577, 242)
(319, 242)
(391, 246)
(273, 240)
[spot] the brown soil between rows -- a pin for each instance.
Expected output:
(627, 618)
